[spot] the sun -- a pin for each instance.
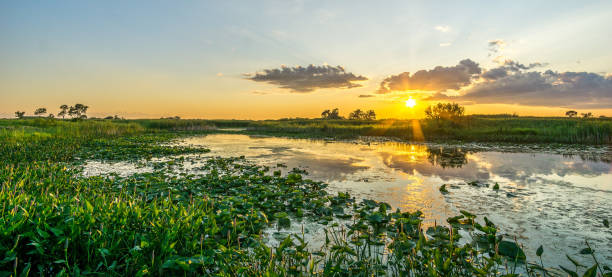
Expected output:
(410, 103)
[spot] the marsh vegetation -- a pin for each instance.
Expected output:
(197, 214)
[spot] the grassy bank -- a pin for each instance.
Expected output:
(176, 221)
(472, 129)
(468, 129)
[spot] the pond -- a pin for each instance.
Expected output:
(544, 198)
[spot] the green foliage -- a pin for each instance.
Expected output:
(446, 111)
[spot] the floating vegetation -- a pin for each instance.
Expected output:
(496, 186)
(443, 189)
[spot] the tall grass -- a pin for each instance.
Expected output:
(496, 129)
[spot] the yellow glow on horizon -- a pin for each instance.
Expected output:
(410, 103)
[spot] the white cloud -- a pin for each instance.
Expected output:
(443, 29)
(445, 44)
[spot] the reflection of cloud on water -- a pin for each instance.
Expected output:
(405, 163)
(273, 149)
(326, 168)
(517, 167)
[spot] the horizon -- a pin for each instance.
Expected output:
(295, 59)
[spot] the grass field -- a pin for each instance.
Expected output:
(54, 221)
(468, 129)
(473, 129)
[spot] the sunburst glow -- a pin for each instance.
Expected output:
(410, 103)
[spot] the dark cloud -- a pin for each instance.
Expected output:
(508, 67)
(307, 79)
(549, 88)
(366, 95)
(440, 78)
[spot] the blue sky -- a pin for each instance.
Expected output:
(154, 58)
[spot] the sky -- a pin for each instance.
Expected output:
(278, 59)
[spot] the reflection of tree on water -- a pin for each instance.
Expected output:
(447, 157)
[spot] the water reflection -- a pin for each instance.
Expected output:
(545, 198)
(446, 157)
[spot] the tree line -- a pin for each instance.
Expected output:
(357, 114)
(78, 111)
(573, 114)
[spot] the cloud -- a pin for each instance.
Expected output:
(508, 67)
(496, 45)
(259, 92)
(511, 82)
(549, 88)
(442, 29)
(440, 78)
(307, 79)
(444, 44)
(365, 95)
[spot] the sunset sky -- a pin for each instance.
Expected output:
(275, 59)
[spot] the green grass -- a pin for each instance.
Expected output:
(472, 129)
(467, 129)
(172, 221)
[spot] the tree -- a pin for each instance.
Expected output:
(19, 114)
(325, 114)
(64, 110)
(371, 115)
(356, 115)
(78, 111)
(40, 111)
(587, 115)
(333, 114)
(51, 115)
(444, 111)
(571, 114)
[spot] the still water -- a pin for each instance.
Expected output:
(555, 200)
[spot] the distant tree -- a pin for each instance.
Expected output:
(109, 117)
(333, 114)
(325, 114)
(571, 114)
(19, 114)
(78, 111)
(587, 115)
(63, 110)
(371, 115)
(51, 115)
(444, 111)
(356, 115)
(40, 111)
